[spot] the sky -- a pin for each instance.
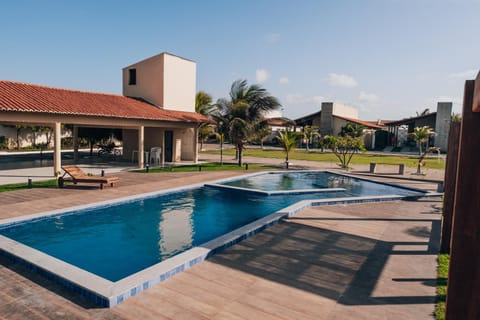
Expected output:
(387, 58)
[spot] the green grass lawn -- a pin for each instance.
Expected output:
(361, 158)
(442, 275)
(211, 166)
(24, 185)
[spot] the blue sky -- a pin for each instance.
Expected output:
(388, 58)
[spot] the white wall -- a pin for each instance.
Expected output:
(149, 84)
(187, 137)
(165, 80)
(345, 110)
(179, 84)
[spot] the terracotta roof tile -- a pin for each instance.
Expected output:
(23, 97)
(279, 122)
(368, 124)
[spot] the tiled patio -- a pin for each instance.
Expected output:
(367, 261)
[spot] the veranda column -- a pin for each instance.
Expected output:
(57, 153)
(141, 147)
(195, 145)
(75, 143)
(162, 144)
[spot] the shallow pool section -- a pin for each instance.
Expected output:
(113, 250)
(296, 182)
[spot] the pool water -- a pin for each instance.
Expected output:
(118, 240)
(302, 180)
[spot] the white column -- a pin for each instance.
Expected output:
(163, 147)
(141, 147)
(75, 143)
(57, 153)
(195, 145)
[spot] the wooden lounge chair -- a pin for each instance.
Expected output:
(77, 175)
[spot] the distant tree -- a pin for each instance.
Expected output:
(326, 142)
(423, 113)
(241, 113)
(421, 135)
(309, 133)
(204, 106)
(456, 117)
(97, 135)
(204, 132)
(19, 129)
(345, 148)
(261, 131)
(287, 140)
(203, 103)
(353, 130)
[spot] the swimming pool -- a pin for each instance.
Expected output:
(296, 182)
(120, 245)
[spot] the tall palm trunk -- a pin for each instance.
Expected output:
(239, 154)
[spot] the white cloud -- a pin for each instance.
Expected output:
(262, 75)
(341, 80)
(272, 37)
(283, 80)
(297, 99)
(368, 97)
(467, 74)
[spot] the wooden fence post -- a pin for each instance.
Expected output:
(449, 185)
(463, 292)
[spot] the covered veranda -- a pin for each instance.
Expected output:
(143, 125)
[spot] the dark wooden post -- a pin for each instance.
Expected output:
(450, 184)
(463, 292)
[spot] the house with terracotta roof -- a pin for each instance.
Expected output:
(439, 121)
(157, 109)
(382, 133)
(333, 116)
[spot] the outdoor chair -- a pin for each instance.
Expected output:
(156, 155)
(78, 175)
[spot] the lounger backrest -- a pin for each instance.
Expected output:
(74, 171)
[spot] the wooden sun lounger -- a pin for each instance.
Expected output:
(77, 175)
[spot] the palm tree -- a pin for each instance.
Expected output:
(310, 132)
(261, 131)
(241, 113)
(203, 103)
(287, 141)
(423, 113)
(205, 130)
(421, 135)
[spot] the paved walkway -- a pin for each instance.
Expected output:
(374, 261)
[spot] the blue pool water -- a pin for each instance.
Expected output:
(301, 180)
(118, 240)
